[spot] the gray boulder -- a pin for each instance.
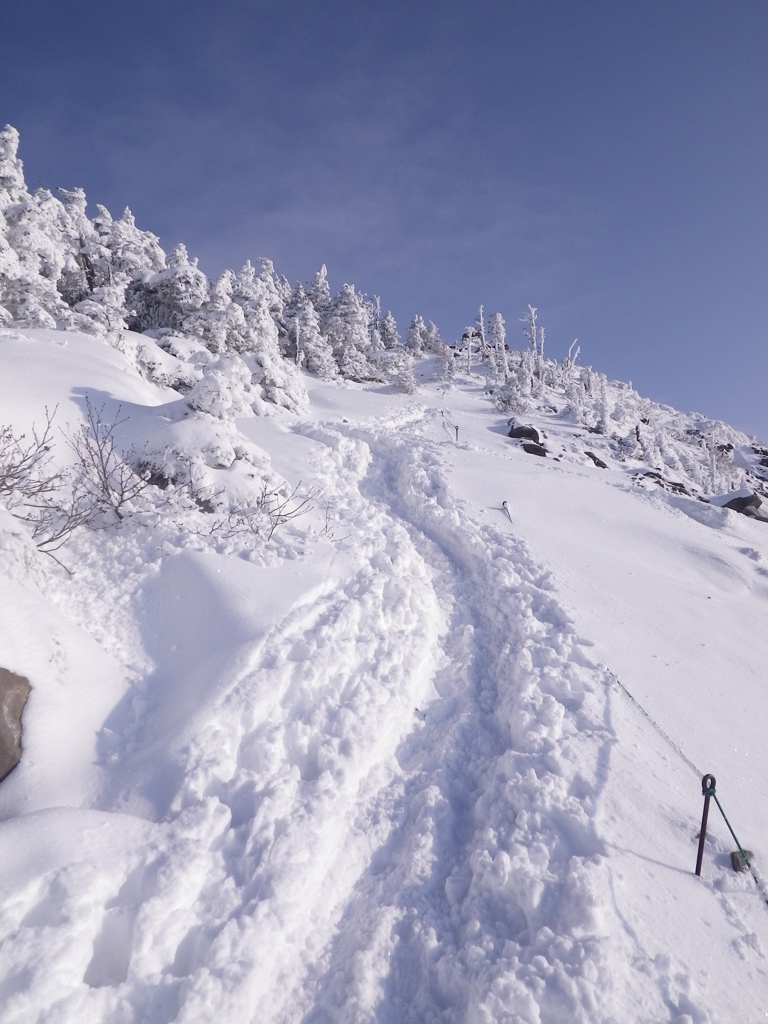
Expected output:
(597, 461)
(737, 861)
(534, 449)
(525, 433)
(14, 691)
(747, 505)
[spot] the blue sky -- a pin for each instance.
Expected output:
(604, 160)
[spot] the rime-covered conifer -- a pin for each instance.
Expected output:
(416, 336)
(167, 298)
(320, 292)
(389, 335)
(346, 327)
(498, 334)
(433, 342)
(303, 330)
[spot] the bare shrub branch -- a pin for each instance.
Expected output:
(280, 509)
(34, 492)
(106, 480)
(259, 517)
(24, 462)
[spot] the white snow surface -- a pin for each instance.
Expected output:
(380, 767)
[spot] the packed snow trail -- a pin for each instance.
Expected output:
(465, 872)
(388, 788)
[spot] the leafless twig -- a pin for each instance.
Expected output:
(258, 517)
(107, 481)
(24, 462)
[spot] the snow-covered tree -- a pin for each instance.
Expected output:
(270, 283)
(87, 263)
(433, 342)
(167, 298)
(447, 363)
(13, 188)
(498, 335)
(303, 330)
(58, 268)
(319, 291)
(480, 321)
(470, 340)
(402, 374)
(603, 406)
(219, 323)
(389, 335)
(31, 253)
(416, 336)
(179, 257)
(535, 337)
(133, 250)
(224, 390)
(346, 327)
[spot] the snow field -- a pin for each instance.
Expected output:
(675, 607)
(380, 770)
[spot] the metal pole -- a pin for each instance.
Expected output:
(707, 790)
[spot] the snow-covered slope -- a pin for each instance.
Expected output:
(383, 765)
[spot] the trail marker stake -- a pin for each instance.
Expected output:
(707, 790)
(457, 435)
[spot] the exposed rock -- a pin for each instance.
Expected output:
(744, 501)
(737, 861)
(534, 449)
(14, 691)
(528, 433)
(669, 485)
(748, 505)
(598, 462)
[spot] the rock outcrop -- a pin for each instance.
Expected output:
(14, 691)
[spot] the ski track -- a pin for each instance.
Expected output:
(391, 813)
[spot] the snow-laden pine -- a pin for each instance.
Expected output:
(60, 269)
